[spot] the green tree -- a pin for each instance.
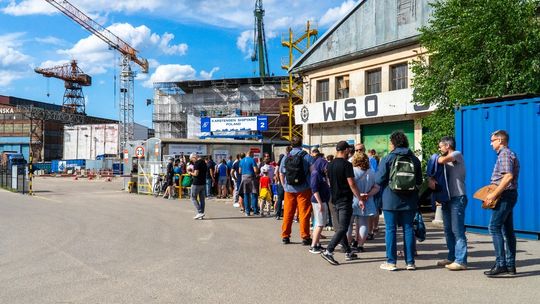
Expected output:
(476, 48)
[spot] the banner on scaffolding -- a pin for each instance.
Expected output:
(227, 124)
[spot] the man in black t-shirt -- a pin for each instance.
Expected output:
(199, 184)
(343, 189)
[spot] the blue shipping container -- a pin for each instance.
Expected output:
(474, 126)
(118, 168)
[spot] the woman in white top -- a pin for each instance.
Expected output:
(364, 178)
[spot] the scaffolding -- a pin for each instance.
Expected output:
(293, 85)
(177, 105)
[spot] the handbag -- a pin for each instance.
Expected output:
(483, 192)
(419, 227)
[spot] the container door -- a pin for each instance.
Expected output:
(377, 136)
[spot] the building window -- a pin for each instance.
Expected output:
(322, 90)
(373, 81)
(342, 87)
(398, 76)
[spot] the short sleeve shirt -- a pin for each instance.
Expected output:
(507, 162)
(456, 175)
(246, 165)
(200, 179)
(338, 172)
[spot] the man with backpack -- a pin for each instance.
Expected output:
(295, 175)
(400, 176)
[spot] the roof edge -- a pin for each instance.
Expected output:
(360, 54)
(324, 36)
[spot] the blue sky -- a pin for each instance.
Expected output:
(182, 39)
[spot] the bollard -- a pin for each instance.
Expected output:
(438, 215)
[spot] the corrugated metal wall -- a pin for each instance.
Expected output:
(521, 119)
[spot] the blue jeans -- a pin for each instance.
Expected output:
(391, 220)
(197, 191)
(502, 222)
(254, 204)
(279, 203)
(454, 229)
(208, 187)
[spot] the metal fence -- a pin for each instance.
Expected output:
(14, 178)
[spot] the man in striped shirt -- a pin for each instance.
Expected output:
(505, 176)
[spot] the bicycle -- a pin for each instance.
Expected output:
(158, 186)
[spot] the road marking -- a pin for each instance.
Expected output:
(47, 199)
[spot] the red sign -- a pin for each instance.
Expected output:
(139, 152)
(126, 156)
(255, 150)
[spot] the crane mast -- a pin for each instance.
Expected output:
(260, 52)
(129, 54)
(74, 79)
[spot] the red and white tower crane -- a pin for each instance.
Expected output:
(129, 54)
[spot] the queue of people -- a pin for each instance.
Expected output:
(358, 187)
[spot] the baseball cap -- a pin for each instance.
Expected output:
(342, 145)
(193, 155)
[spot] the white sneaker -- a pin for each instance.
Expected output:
(236, 205)
(388, 266)
(198, 216)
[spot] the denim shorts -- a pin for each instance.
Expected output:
(320, 218)
(222, 181)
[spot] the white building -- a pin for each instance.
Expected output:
(91, 141)
(357, 77)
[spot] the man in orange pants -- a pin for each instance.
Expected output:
(295, 169)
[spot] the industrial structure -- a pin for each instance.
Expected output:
(179, 106)
(357, 77)
(293, 85)
(37, 128)
(74, 80)
(129, 54)
(260, 52)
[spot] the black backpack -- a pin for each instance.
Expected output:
(294, 169)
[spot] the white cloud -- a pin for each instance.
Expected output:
(208, 75)
(334, 14)
(244, 42)
(28, 7)
(32, 7)
(52, 63)
(95, 57)
(14, 64)
(237, 14)
(171, 73)
(51, 40)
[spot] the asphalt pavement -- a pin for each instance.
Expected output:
(89, 242)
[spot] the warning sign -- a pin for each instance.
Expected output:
(139, 152)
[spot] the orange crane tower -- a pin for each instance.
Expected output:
(129, 54)
(74, 79)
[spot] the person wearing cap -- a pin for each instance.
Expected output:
(265, 194)
(343, 189)
(296, 196)
(198, 187)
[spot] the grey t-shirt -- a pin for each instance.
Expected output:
(456, 175)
